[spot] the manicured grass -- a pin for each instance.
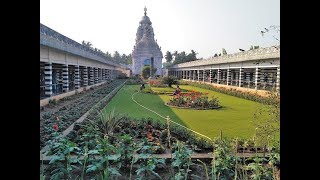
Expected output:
(234, 118)
(123, 103)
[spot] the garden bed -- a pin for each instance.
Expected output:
(62, 114)
(138, 148)
(181, 107)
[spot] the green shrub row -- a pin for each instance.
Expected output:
(271, 99)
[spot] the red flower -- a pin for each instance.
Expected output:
(206, 93)
(55, 127)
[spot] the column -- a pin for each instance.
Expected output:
(278, 79)
(103, 74)
(85, 76)
(210, 75)
(198, 75)
(228, 76)
(241, 77)
(48, 79)
(77, 77)
(91, 76)
(203, 75)
(96, 76)
(237, 78)
(218, 76)
(190, 74)
(257, 77)
(65, 78)
(193, 74)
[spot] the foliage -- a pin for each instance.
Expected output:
(67, 114)
(135, 80)
(169, 80)
(267, 123)
(195, 100)
(183, 57)
(108, 122)
(156, 83)
(168, 57)
(146, 162)
(181, 160)
(146, 72)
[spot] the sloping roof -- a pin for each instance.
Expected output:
(255, 54)
(52, 38)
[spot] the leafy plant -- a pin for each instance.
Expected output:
(181, 160)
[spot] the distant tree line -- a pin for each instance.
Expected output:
(115, 57)
(179, 57)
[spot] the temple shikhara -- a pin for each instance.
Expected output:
(146, 47)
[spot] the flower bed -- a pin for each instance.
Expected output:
(156, 83)
(66, 115)
(194, 100)
(113, 146)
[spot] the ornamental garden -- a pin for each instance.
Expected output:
(117, 131)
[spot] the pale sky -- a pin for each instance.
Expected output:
(205, 26)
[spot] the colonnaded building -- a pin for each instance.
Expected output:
(66, 65)
(257, 69)
(146, 48)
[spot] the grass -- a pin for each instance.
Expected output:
(234, 118)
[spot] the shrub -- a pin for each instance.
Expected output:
(146, 71)
(196, 100)
(156, 83)
(169, 80)
(233, 92)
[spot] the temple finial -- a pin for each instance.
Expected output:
(145, 10)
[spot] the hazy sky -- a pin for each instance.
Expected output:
(205, 26)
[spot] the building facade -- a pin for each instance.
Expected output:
(66, 65)
(257, 69)
(146, 47)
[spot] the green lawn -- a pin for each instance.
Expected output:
(234, 118)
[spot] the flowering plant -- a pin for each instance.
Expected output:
(156, 83)
(195, 100)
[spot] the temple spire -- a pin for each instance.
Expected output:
(145, 10)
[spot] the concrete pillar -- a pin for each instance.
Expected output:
(193, 74)
(257, 77)
(218, 76)
(91, 76)
(241, 77)
(228, 76)
(198, 75)
(77, 77)
(85, 76)
(103, 74)
(48, 79)
(203, 75)
(65, 78)
(96, 76)
(210, 75)
(278, 79)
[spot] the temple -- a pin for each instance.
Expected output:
(146, 47)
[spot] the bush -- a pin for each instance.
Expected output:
(195, 100)
(233, 92)
(146, 72)
(169, 80)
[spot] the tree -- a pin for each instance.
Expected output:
(87, 44)
(168, 57)
(146, 72)
(169, 80)
(215, 55)
(116, 56)
(275, 30)
(224, 52)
